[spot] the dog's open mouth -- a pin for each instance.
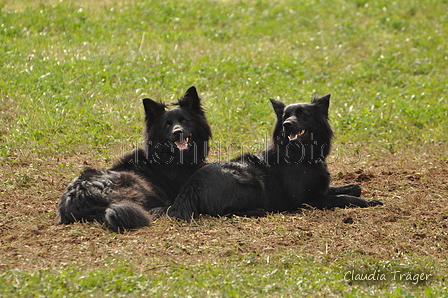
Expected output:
(294, 135)
(182, 144)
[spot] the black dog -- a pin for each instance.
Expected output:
(289, 174)
(176, 147)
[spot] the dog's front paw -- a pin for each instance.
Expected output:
(355, 190)
(372, 202)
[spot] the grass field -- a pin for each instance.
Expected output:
(72, 79)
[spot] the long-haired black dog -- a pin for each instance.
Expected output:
(176, 147)
(289, 174)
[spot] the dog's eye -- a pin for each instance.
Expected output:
(168, 124)
(183, 120)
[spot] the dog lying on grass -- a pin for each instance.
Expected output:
(120, 197)
(286, 176)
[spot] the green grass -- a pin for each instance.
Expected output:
(288, 275)
(74, 73)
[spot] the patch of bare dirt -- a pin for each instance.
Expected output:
(412, 223)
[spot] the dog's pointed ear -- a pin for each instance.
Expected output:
(153, 109)
(191, 100)
(323, 103)
(278, 107)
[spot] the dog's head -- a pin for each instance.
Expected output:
(303, 124)
(180, 134)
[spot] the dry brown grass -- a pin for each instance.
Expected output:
(412, 223)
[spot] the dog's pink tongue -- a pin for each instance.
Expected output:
(181, 145)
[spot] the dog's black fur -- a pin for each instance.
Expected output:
(289, 174)
(120, 197)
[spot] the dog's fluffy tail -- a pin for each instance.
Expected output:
(93, 196)
(126, 215)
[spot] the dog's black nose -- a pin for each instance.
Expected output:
(177, 130)
(287, 123)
